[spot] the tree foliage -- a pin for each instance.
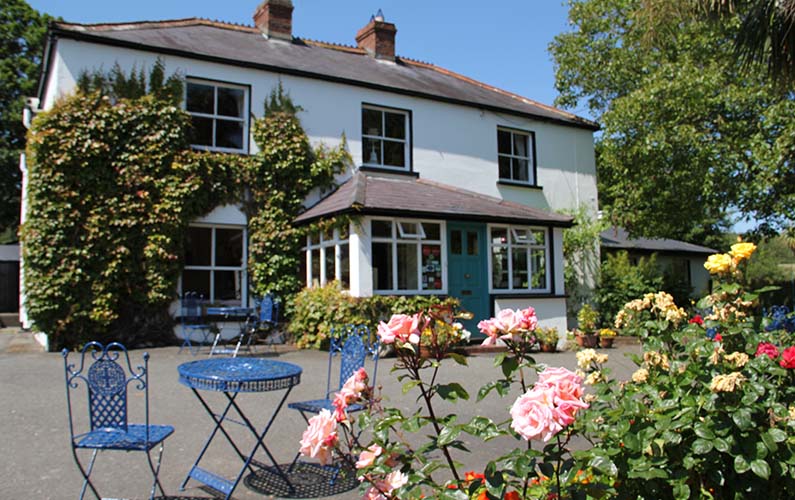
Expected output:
(687, 136)
(622, 281)
(22, 34)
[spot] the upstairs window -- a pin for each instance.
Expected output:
(218, 113)
(515, 155)
(385, 138)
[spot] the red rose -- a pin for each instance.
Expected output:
(788, 358)
(697, 319)
(766, 349)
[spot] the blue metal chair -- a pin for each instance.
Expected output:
(106, 372)
(192, 320)
(263, 323)
(352, 343)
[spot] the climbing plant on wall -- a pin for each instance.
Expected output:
(280, 176)
(113, 186)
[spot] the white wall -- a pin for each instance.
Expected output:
(453, 144)
(551, 312)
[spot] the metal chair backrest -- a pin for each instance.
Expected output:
(192, 313)
(353, 344)
(102, 370)
(268, 309)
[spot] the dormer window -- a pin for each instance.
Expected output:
(516, 156)
(218, 113)
(385, 138)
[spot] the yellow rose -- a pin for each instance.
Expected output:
(641, 375)
(726, 383)
(742, 251)
(718, 263)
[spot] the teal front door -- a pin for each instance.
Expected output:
(466, 270)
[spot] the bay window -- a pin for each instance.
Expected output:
(407, 256)
(327, 258)
(519, 258)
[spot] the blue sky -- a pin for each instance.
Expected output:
(503, 43)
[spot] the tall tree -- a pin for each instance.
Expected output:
(22, 36)
(688, 138)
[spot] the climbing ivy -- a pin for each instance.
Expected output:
(280, 176)
(112, 188)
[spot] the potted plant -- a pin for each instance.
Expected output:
(586, 320)
(606, 337)
(547, 338)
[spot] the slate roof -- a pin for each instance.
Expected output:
(618, 238)
(372, 194)
(245, 46)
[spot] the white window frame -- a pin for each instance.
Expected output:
(419, 239)
(510, 245)
(215, 116)
(530, 158)
(325, 245)
(212, 267)
(406, 142)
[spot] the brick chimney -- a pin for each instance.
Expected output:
(378, 38)
(274, 18)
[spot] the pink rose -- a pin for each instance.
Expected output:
(767, 349)
(392, 481)
(320, 437)
(568, 383)
(529, 320)
(532, 416)
(340, 403)
(508, 321)
(398, 328)
(488, 327)
(788, 358)
(356, 383)
(368, 456)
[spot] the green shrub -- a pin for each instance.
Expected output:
(314, 311)
(621, 281)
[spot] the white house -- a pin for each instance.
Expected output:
(454, 186)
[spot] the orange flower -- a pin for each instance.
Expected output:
(483, 495)
(472, 475)
(512, 495)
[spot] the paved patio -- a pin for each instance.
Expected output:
(39, 463)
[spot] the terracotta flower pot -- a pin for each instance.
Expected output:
(589, 340)
(549, 348)
(606, 342)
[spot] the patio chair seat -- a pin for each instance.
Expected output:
(316, 405)
(133, 439)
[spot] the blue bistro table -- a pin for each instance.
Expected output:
(232, 376)
(241, 315)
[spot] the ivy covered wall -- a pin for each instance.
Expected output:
(112, 188)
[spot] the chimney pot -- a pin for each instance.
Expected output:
(377, 38)
(274, 18)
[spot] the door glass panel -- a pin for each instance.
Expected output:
(499, 268)
(407, 266)
(197, 248)
(431, 267)
(472, 243)
(455, 242)
(382, 266)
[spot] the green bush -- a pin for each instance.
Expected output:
(621, 281)
(314, 311)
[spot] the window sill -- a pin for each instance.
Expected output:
(211, 149)
(387, 170)
(518, 184)
(438, 293)
(521, 294)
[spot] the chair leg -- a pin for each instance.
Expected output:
(86, 473)
(155, 468)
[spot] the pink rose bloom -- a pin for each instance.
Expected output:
(767, 349)
(320, 437)
(368, 456)
(508, 321)
(398, 328)
(392, 481)
(340, 403)
(532, 416)
(529, 320)
(488, 327)
(568, 383)
(372, 493)
(566, 409)
(356, 383)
